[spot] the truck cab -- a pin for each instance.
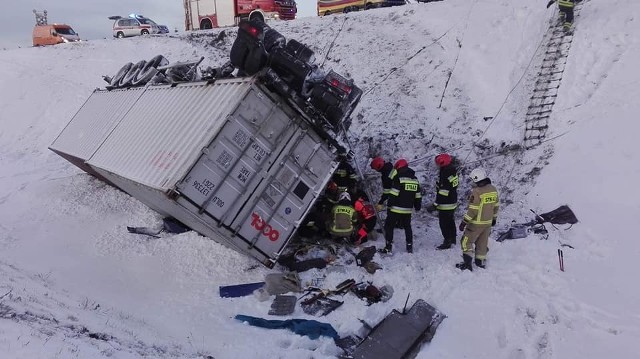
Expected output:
(52, 34)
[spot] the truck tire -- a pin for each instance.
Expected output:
(144, 32)
(256, 15)
(120, 35)
(327, 13)
(131, 74)
(149, 70)
(206, 24)
(115, 81)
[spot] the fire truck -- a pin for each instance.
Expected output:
(208, 14)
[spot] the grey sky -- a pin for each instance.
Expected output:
(89, 17)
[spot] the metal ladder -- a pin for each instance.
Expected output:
(549, 78)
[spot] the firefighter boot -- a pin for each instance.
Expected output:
(466, 263)
(409, 247)
(479, 263)
(446, 244)
(386, 249)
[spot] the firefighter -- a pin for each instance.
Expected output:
(446, 199)
(345, 175)
(385, 168)
(343, 218)
(481, 215)
(404, 197)
(566, 9)
(366, 218)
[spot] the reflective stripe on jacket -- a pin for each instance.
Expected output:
(342, 219)
(405, 192)
(483, 205)
(386, 172)
(565, 3)
(447, 189)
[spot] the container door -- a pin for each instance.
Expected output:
(269, 221)
(235, 162)
(259, 176)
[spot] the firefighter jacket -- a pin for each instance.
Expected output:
(387, 171)
(343, 218)
(566, 3)
(483, 204)
(364, 209)
(345, 176)
(447, 189)
(405, 192)
(563, 3)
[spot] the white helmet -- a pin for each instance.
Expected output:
(343, 196)
(478, 175)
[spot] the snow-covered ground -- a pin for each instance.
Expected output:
(75, 283)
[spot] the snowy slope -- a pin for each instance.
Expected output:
(74, 283)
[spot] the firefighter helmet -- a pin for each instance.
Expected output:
(400, 163)
(377, 163)
(478, 175)
(443, 160)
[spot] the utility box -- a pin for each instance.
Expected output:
(229, 158)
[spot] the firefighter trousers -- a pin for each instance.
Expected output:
(448, 225)
(476, 236)
(390, 223)
(568, 14)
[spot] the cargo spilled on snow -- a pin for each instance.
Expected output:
(240, 160)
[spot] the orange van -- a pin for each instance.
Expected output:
(53, 34)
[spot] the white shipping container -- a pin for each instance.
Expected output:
(228, 159)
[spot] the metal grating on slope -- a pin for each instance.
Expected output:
(549, 78)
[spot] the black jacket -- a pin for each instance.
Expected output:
(447, 189)
(345, 176)
(405, 192)
(385, 173)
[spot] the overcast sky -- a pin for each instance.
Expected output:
(89, 17)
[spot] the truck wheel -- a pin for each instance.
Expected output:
(144, 32)
(327, 13)
(206, 24)
(120, 35)
(131, 74)
(256, 16)
(115, 80)
(346, 10)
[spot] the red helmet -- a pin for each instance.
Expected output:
(377, 163)
(443, 160)
(332, 186)
(400, 163)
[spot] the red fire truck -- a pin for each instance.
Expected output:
(207, 14)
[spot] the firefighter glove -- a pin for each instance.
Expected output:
(462, 226)
(493, 223)
(431, 208)
(379, 207)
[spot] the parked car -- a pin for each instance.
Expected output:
(133, 25)
(52, 34)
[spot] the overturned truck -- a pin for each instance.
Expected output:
(239, 153)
